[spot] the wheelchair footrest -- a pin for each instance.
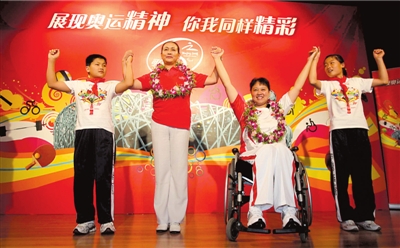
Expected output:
(265, 231)
(291, 230)
(283, 231)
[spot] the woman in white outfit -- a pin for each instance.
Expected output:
(171, 84)
(263, 145)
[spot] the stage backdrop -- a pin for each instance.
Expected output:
(269, 39)
(388, 108)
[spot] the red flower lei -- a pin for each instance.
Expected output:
(252, 126)
(178, 90)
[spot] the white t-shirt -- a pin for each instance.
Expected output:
(93, 111)
(337, 106)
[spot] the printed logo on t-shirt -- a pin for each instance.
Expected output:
(88, 97)
(352, 94)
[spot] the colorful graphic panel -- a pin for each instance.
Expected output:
(388, 108)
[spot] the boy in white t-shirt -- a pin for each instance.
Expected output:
(94, 153)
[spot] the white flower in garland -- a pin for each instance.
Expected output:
(251, 118)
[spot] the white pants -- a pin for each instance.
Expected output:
(273, 178)
(170, 148)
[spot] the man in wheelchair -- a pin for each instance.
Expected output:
(263, 144)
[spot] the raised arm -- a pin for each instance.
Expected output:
(135, 84)
(51, 79)
(127, 71)
(213, 77)
(383, 77)
(312, 76)
(301, 79)
(230, 90)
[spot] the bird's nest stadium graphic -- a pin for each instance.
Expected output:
(213, 126)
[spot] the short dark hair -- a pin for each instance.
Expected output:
(339, 58)
(261, 80)
(92, 57)
(162, 47)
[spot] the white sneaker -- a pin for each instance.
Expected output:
(255, 218)
(349, 226)
(107, 228)
(287, 214)
(84, 228)
(369, 225)
(162, 228)
(175, 228)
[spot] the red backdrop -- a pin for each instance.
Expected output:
(269, 39)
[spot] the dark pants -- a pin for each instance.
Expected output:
(352, 158)
(94, 159)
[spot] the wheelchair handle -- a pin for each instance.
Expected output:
(235, 151)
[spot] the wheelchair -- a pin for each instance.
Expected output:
(239, 173)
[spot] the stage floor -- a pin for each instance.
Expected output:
(198, 230)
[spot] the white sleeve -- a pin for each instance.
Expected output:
(71, 85)
(324, 88)
(366, 85)
(286, 103)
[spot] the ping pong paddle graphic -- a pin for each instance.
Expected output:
(43, 156)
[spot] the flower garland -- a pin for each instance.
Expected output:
(252, 126)
(178, 90)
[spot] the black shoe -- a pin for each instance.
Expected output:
(291, 224)
(259, 224)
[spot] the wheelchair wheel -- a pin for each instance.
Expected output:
(229, 203)
(231, 230)
(303, 237)
(304, 205)
(307, 198)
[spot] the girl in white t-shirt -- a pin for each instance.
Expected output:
(350, 148)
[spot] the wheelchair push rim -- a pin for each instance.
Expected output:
(305, 213)
(229, 191)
